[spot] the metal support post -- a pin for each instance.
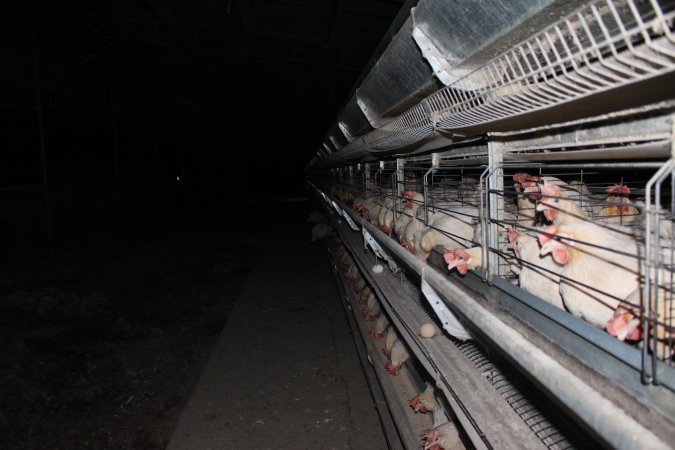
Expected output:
(378, 175)
(115, 148)
(435, 162)
(351, 177)
(158, 178)
(495, 202)
(43, 143)
(366, 177)
(399, 189)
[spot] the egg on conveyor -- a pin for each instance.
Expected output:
(427, 330)
(377, 268)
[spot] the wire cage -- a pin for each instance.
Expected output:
(594, 239)
(614, 216)
(452, 201)
(604, 46)
(551, 179)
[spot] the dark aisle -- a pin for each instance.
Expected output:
(284, 373)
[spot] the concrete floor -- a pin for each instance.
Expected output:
(284, 373)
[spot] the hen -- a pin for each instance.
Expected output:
(320, 231)
(464, 259)
(443, 437)
(399, 354)
(316, 217)
(560, 203)
(600, 268)
(414, 231)
(426, 401)
(539, 275)
(386, 215)
(381, 324)
(525, 203)
(365, 293)
(413, 201)
(372, 309)
(626, 323)
(450, 228)
(619, 207)
(390, 338)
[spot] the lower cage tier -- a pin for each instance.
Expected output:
(441, 391)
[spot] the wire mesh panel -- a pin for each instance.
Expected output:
(606, 45)
(581, 242)
(594, 239)
(412, 126)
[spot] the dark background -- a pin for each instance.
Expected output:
(149, 150)
(153, 110)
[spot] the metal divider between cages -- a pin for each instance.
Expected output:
(653, 266)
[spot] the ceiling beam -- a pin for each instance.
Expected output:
(78, 18)
(248, 54)
(253, 28)
(169, 30)
(79, 64)
(241, 54)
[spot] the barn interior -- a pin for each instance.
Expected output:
(148, 149)
(337, 224)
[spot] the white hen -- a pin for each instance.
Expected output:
(413, 201)
(539, 275)
(390, 338)
(560, 203)
(399, 355)
(450, 228)
(372, 309)
(377, 330)
(443, 437)
(601, 263)
(414, 231)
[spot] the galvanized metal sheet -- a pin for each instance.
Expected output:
(400, 79)
(353, 121)
(337, 137)
(450, 32)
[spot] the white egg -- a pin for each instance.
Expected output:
(427, 330)
(377, 268)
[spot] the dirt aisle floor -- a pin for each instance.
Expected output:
(284, 373)
(102, 346)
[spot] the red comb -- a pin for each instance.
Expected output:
(549, 188)
(544, 238)
(513, 233)
(519, 177)
(428, 434)
(449, 256)
(462, 254)
(618, 189)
